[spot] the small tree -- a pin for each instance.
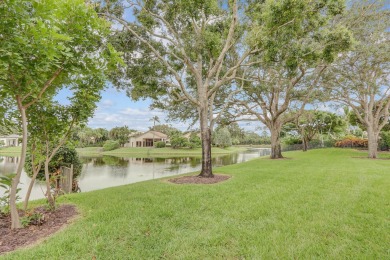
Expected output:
(222, 138)
(42, 44)
(120, 134)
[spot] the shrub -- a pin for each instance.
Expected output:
(352, 141)
(178, 142)
(222, 138)
(110, 145)
(160, 144)
(192, 145)
(194, 141)
(65, 156)
(385, 140)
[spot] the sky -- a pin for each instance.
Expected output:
(117, 109)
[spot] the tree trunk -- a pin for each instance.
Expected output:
(49, 196)
(276, 149)
(305, 144)
(35, 173)
(15, 221)
(205, 131)
(372, 143)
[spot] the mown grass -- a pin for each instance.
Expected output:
(322, 204)
(10, 151)
(152, 152)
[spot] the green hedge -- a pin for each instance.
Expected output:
(110, 145)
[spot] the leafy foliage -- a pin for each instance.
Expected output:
(65, 156)
(120, 134)
(222, 138)
(160, 144)
(5, 183)
(178, 141)
(110, 145)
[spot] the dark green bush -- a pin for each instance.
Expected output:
(110, 145)
(160, 144)
(178, 142)
(64, 157)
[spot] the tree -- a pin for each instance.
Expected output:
(222, 138)
(181, 52)
(312, 122)
(166, 129)
(120, 134)
(44, 44)
(51, 124)
(155, 119)
(300, 39)
(360, 78)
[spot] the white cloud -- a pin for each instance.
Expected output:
(106, 103)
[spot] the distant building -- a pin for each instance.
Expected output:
(9, 140)
(188, 134)
(146, 139)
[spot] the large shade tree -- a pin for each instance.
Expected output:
(181, 52)
(300, 39)
(43, 45)
(360, 78)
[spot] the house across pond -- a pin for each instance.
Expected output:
(9, 140)
(147, 139)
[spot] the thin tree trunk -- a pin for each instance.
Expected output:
(305, 144)
(276, 149)
(49, 196)
(206, 144)
(372, 143)
(15, 221)
(35, 173)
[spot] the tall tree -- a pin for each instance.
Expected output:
(300, 38)
(181, 52)
(44, 44)
(360, 78)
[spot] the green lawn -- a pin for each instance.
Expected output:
(10, 151)
(144, 151)
(322, 204)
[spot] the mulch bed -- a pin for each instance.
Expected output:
(53, 221)
(199, 180)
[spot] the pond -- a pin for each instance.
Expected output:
(109, 171)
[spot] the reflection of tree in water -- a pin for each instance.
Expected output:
(86, 160)
(98, 161)
(115, 161)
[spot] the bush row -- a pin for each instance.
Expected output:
(352, 141)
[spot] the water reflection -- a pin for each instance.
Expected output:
(108, 171)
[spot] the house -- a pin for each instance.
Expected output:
(188, 134)
(146, 139)
(9, 140)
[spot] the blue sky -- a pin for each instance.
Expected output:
(116, 109)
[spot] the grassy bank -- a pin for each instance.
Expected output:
(153, 152)
(10, 151)
(319, 204)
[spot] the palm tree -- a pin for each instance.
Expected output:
(155, 119)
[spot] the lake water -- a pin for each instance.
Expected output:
(108, 171)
